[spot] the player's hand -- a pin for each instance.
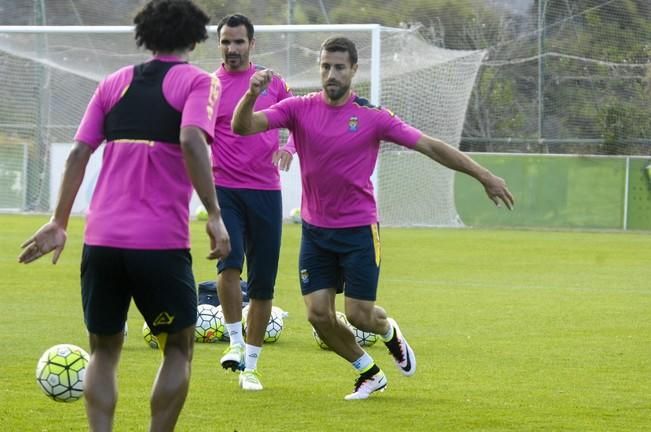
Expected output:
(260, 80)
(220, 242)
(282, 159)
(497, 191)
(50, 237)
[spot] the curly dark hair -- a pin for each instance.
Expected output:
(170, 25)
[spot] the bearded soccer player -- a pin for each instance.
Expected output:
(337, 136)
(157, 119)
(247, 180)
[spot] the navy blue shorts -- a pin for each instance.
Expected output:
(159, 281)
(347, 259)
(254, 220)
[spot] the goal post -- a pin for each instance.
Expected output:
(50, 72)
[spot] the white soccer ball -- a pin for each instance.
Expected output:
(60, 372)
(200, 213)
(295, 215)
(150, 339)
(363, 339)
(206, 328)
(275, 325)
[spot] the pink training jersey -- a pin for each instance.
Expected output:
(245, 162)
(337, 148)
(143, 192)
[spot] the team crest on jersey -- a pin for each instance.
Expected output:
(353, 122)
(305, 276)
(264, 92)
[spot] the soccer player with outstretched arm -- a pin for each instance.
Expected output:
(157, 119)
(337, 135)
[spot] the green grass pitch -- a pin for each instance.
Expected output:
(513, 331)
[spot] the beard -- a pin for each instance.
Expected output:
(234, 60)
(337, 92)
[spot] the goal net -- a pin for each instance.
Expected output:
(50, 73)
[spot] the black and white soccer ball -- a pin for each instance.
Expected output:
(207, 327)
(363, 339)
(60, 372)
(275, 325)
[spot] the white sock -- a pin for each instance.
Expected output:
(234, 331)
(363, 363)
(251, 357)
(389, 334)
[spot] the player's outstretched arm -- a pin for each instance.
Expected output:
(245, 121)
(446, 155)
(52, 236)
(197, 162)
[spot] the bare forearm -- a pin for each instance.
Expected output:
(73, 175)
(242, 122)
(452, 158)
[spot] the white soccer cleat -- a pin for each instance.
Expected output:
(400, 350)
(365, 385)
(250, 380)
(233, 358)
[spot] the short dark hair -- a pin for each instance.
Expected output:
(341, 44)
(236, 20)
(170, 25)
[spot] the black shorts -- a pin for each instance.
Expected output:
(253, 219)
(159, 281)
(347, 259)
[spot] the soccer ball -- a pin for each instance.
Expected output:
(150, 339)
(276, 324)
(274, 327)
(341, 317)
(206, 328)
(295, 215)
(60, 372)
(363, 339)
(200, 213)
(220, 334)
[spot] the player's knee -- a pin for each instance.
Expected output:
(231, 276)
(320, 317)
